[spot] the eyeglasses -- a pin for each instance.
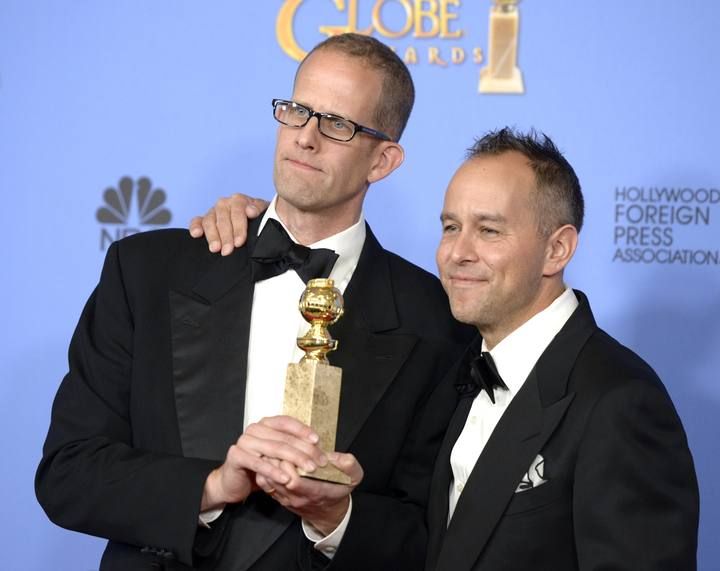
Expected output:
(333, 127)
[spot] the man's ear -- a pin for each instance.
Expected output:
(561, 246)
(387, 157)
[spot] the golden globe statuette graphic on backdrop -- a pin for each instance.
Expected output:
(312, 386)
(502, 75)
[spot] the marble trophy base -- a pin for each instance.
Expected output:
(312, 395)
(491, 84)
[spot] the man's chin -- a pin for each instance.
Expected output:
(464, 314)
(299, 198)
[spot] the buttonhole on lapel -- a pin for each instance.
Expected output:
(383, 357)
(189, 321)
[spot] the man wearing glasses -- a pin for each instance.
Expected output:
(166, 436)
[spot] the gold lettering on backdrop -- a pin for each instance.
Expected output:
(426, 15)
(379, 25)
(434, 57)
(352, 25)
(478, 56)
(457, 55)
(410, 56)
(284, 30)
(425, 18)
(445, 16)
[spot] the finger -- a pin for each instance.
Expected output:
(266, 484)
(274, 461)
(256, 206)
(270, 485)
(315, 491)
(211, 233)
(196, 229)
(348, 464)
(224, 225)
(304, 493)
(273, 489)
(287, 432)
(243, 459)
(241, 208)
(290, 425)
(294, 479)
(291, 431)
(259, 443)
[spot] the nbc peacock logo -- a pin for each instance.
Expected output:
(130, 206)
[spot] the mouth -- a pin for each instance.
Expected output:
(465, 281)
(298, 164)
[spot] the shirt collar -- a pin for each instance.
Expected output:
(516, 355)
(347, 244)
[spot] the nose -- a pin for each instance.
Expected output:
(463, 248)
(308, 135)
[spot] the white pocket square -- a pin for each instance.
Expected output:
(534, 477)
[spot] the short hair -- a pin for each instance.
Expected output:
(559, 198)
(395, 101)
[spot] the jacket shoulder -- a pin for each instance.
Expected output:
(163, 246)
(159, 242)
(164, 258)
(609, 376)
(618, 362)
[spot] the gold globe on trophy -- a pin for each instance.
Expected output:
(321, 305)
(312, 386)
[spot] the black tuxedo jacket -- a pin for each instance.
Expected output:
(620, 490)
(155, 396)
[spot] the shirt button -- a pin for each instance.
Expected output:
(473, 419)
(330, 549)
(459, 487)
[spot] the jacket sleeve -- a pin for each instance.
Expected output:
(91, 477)
(635, 504)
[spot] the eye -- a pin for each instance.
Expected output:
(489, 231)
(449, 228)
(337, 124)
(298, 111)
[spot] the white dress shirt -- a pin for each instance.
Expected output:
(515, 356)
(275, 325)
(276, 322)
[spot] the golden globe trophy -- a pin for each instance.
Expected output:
(312, 386)
(501, 75)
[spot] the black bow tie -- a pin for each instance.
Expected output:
(485, 375)
(275, 253)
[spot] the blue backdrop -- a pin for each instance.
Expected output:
(106, 107)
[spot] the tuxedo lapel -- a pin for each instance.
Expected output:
(370, 353)
(520, 434)
(525, 427)
(442, 475)
(210, 333)
(554, 366)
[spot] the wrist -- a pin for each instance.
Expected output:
(331, 517)
(213, 497)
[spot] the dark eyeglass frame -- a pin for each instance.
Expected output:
(357, 128)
